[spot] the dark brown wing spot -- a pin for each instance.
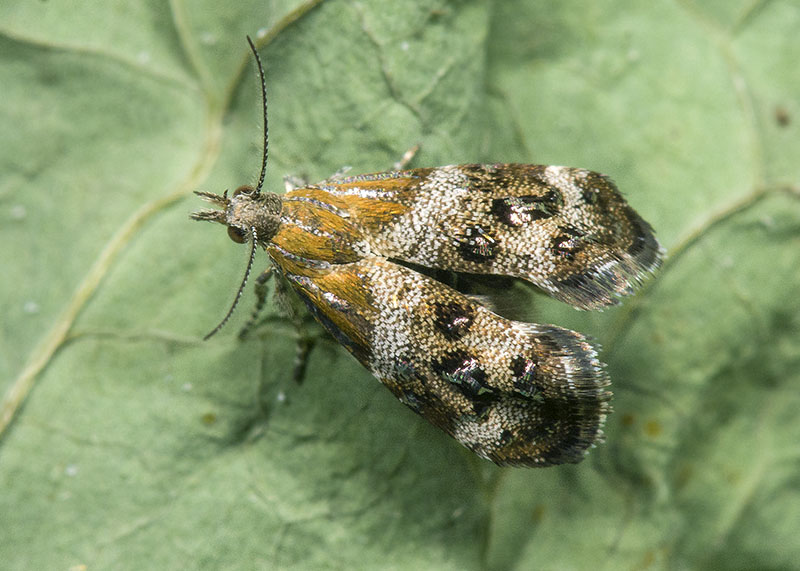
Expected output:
(477, 245)
(405, 370)
(590, 195)
(453, 320)
(506, 437)
(523, 370)
(463, 370)
(567, 243)
(521, 210)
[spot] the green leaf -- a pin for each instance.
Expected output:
(127, 442)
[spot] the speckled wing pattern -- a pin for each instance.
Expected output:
(568, 231)
(515, 393)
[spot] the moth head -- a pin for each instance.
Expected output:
(246, 213)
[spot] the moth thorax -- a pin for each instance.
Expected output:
(247, 210)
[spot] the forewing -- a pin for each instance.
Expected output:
(514, 393)
(569, 231)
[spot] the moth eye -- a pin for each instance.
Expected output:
(245, 189)
(237, 234)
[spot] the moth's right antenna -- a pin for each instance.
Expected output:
(266, 128)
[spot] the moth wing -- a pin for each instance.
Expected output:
(569, 231)
(514, 393)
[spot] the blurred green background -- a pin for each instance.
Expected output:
(132, 444)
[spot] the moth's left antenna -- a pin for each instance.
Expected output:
(240, 291)
(266, 126)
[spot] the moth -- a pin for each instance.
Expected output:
(515, 393)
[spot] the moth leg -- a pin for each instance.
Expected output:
(407, 157)
(339, 174)
(303, 349)
(292, 182)
(261, 299)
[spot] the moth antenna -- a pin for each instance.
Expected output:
(225, 319)
(266, 126)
